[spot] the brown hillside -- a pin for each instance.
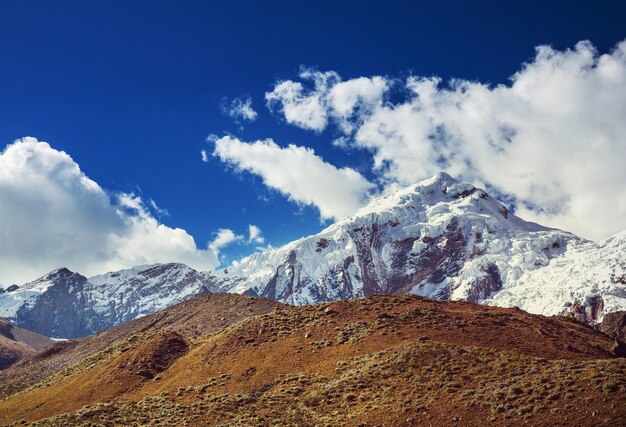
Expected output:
(201, 315)
(383, 360)
(17, 343)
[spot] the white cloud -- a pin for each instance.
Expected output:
(300, 106)
(204, 155)
(329, 97)
(298, 173)
(255, 235)
(354, 99)
(224, 238)
(240, 109)
(156, 208)
(53, 215)
(553, 139)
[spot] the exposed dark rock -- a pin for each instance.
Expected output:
(620, 279)
(60, 311)
(385, 316)
(619, 349)
(145, 373)
(614, 325)
(588, 313)
(156, 355)
(485, 285)
(321, 244)
(9, 289)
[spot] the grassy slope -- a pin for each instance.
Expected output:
(389, 360)
(195, 317)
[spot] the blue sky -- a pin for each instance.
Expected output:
(131, 90)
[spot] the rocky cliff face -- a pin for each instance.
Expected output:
(61, 310)
(68, 305)
(614, 325)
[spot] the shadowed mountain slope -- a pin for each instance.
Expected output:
(17, 343)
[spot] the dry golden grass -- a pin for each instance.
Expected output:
(384, 360)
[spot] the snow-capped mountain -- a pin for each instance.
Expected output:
(588, 280)
(68, 305)
(438, 238)
(445, 240)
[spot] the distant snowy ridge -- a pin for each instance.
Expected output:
(68, 305)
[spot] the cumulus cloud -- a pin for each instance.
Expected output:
(312, 107)
(552, 140)
(240, 109)
(53, 215)
(298, 173)
(224, 238)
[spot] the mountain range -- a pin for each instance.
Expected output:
(439, 238)
(66, 304)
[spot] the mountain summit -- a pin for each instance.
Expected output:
(442, 239)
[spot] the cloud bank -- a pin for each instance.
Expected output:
(53, 215)
(552, 142)
(298, 173)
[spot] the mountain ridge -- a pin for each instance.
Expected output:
(66, 304)
(438, 238)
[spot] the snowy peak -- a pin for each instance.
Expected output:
(14, 297)
(440, 187)
(440, 198)
(68, 305)
(144, 289)
(58, 273)
(60, 276)
(442, 239)
(146, 274)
